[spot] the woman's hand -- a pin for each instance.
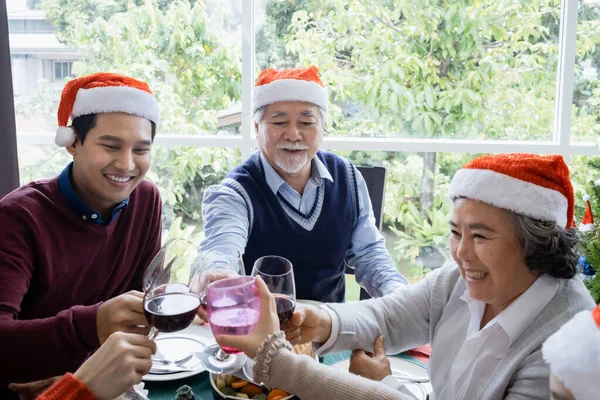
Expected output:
(268, 323)
(374, 366)
(308, 324)
(118, 364)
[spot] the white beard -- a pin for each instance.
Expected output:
(291, 163)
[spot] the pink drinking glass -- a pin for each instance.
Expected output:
(233, 309)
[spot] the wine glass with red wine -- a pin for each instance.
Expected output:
(233, 309)
(170, 301)
(278, 274)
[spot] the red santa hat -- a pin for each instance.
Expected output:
(528, 184)
(587, 222)
(103, 93)
(301, 84)
(573, 353)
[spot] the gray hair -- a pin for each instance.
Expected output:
(548, 248)
(259, 114)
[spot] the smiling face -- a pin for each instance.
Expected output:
(489, 255)
(289, 134)
(113, 159)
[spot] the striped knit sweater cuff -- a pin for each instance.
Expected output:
(266, 352)
(68, 388)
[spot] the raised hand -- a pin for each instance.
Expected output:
(268, 323)
(308, 324)
(118, 365)
(375, 365)
(124, 313)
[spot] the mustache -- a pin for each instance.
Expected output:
(292, 146)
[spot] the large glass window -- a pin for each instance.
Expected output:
(586, 93)
(418, 87)
(461, 70)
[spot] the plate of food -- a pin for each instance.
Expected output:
(230, 387)
(178, 354)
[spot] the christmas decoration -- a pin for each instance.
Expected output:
(587, 222)
(589, 243)
(185, 393)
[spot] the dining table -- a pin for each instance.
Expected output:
(200, 384)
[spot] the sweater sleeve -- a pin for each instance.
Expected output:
(403, 318)
(278, 367)
(68, 388)
(530, 381)
(71, 333)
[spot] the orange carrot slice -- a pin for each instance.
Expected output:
(238, 384)
(276, 394)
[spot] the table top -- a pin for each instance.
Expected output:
(201, 386)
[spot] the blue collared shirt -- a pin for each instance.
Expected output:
(227, 227)
(81, 208)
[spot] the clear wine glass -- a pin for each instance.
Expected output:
(211, 267)
(170, 301)
(278, 274)
(233, 309)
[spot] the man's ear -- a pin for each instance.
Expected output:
(72, 149)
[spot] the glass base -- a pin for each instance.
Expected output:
(217, 361)
(248, 367)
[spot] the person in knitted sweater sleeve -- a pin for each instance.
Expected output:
(511, 285)
(118, 364)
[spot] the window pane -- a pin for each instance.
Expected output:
(400, 68)
(189, 52)
(586, 96)
(415, 213)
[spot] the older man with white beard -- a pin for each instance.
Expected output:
(292, 200)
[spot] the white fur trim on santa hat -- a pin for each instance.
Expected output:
(573, 353)
(116, 99)
(509, 193)
(586, 227)
(65, 136)
(290, 90)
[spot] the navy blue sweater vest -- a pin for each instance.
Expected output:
(317, 255)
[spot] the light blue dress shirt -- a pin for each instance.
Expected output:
(227, 227)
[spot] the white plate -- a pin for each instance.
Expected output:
(404, 367)
(177, 345)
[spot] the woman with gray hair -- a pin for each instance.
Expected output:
(486, 314)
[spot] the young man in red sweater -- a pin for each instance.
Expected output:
(73, 249)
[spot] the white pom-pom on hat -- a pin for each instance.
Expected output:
(586, 197)
(65, 136)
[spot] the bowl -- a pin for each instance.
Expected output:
(218, 395)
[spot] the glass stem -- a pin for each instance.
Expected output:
(220, 355)
(153, 333)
